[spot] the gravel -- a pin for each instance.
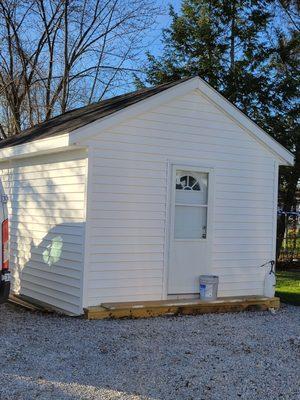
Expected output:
(210, 357)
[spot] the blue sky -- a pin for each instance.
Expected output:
(163, 21)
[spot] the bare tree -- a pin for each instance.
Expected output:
(59, 54)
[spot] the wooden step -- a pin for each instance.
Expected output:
(146, 309)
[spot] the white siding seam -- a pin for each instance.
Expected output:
(86, 259)
(275, 206)
(82, 288)
(167, 231)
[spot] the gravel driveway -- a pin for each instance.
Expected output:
(211, 357)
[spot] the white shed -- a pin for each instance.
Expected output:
(134, 197)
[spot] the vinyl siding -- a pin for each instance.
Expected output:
(128, 200)
(47, 205)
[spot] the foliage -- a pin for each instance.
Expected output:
(222, 43)
(288, 287)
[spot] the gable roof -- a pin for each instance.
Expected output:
(74, 127)
(74, 119)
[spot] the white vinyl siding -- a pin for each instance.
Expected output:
(46, 208)
(128, 200)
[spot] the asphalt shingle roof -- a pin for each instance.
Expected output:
(79, 117)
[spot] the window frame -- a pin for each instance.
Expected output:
(188, 173)
(190, 167)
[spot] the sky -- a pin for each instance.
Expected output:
(163, 21)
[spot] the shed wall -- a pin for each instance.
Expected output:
(128, 200)
(47, 224)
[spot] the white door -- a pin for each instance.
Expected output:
(190, 229)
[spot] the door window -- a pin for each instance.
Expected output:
(191, 205)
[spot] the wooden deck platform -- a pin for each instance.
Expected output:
(147, 309)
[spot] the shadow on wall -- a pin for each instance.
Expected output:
(47, 221)
(53, 270)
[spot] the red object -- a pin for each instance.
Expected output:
(5, 243)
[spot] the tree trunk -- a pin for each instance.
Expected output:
(232, 89)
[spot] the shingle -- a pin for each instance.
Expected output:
(79, 117)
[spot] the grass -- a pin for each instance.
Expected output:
(288, 287)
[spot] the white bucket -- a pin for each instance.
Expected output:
(208, 285)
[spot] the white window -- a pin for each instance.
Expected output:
(191, 205)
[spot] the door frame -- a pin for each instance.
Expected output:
(174, 165)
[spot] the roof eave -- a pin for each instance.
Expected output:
(36, 147)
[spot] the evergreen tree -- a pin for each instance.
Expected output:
(222, 42)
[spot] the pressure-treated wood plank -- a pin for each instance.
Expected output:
(180, 307)
(176, 302)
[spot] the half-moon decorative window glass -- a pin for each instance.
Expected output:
(187, 182)
(191, 205)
